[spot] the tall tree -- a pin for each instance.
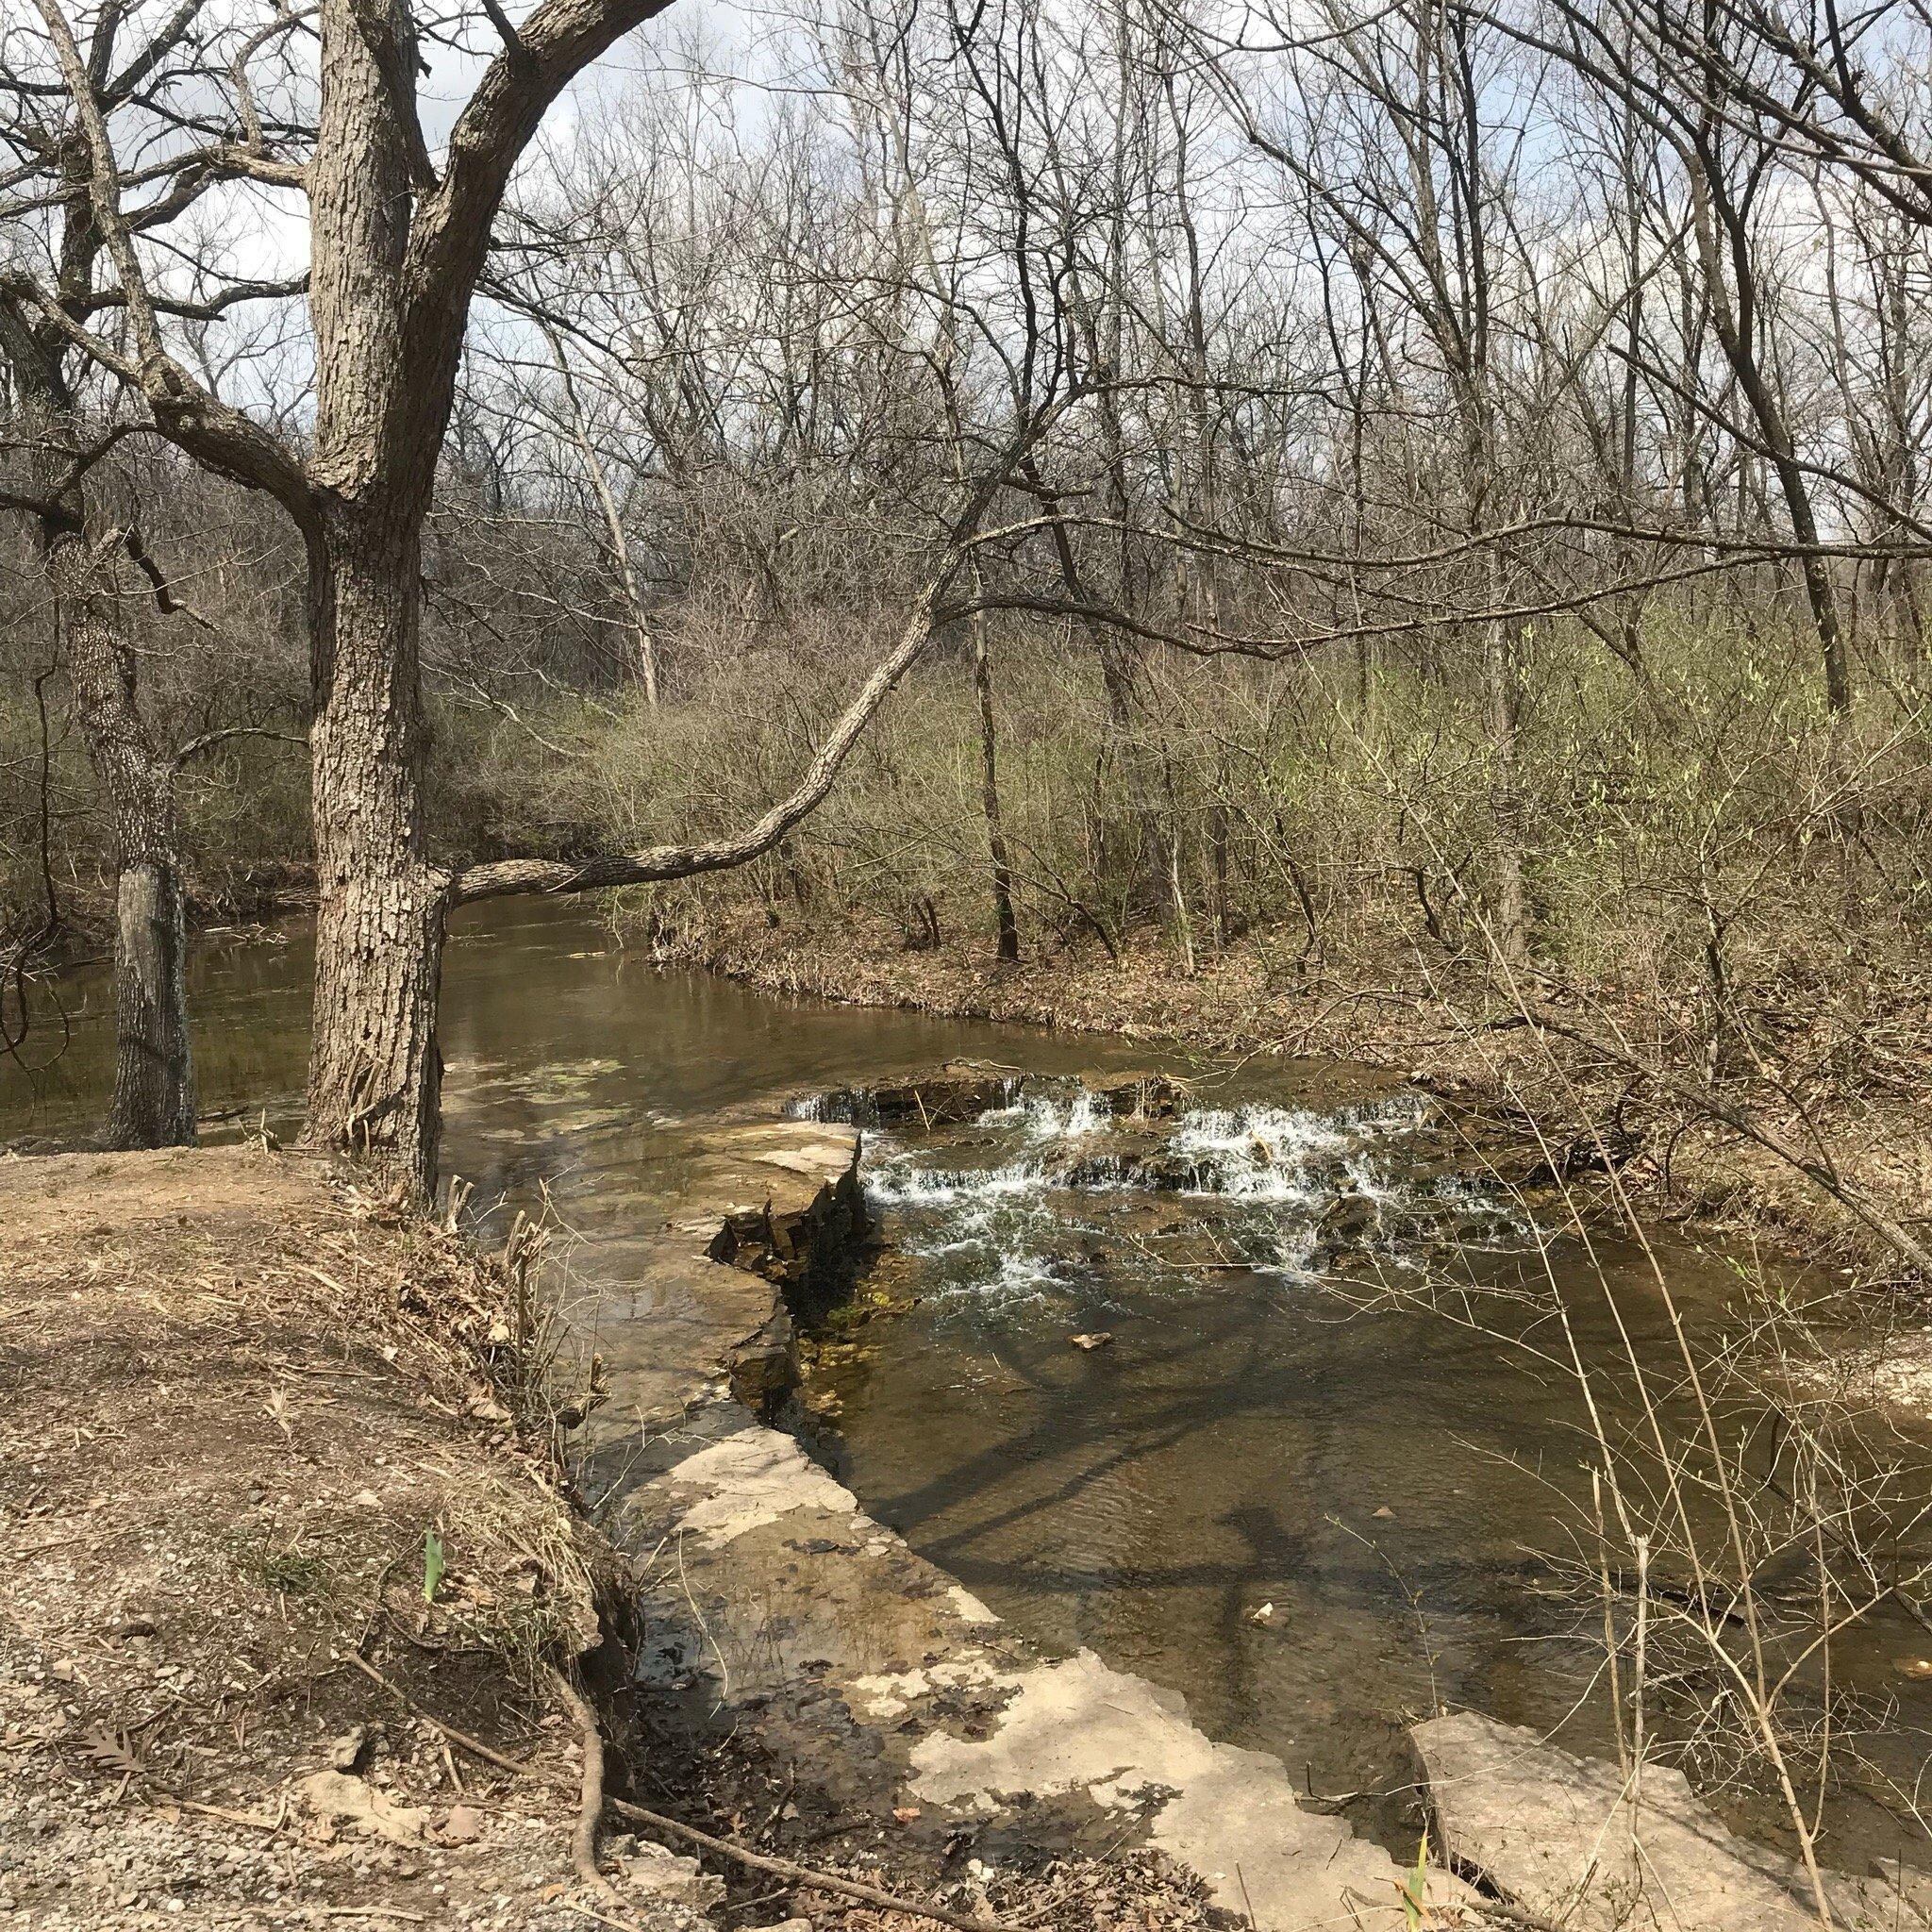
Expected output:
(398, 240)
(153, 1097)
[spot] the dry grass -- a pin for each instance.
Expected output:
(242, 1404)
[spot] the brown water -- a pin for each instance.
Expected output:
(569, 1062)
(1275, 1422)
(1332, 1470)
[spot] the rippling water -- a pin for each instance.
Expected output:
(1331, 1469)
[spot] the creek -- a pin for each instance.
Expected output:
(1328, 1468)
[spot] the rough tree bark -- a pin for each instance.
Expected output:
(154, 1099)
(154, 1071)
(375, 1071)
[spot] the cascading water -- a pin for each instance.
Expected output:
(1276, 1404)
(1014, 1201)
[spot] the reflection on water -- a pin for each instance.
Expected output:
(1331, 1470)
(568, 1063)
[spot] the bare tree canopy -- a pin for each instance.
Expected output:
(1220, 356)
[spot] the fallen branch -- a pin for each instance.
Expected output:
(800, 1874)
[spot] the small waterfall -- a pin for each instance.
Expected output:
(1036, 1194)
(1049, 1117)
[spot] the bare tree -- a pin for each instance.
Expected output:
(398, 240)
(153, 1097)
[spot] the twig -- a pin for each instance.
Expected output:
(800, 1874)
(1513, 1914)
(309, 1912)
(253, 1818)
(461, 1739)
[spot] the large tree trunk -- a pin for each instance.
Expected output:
(154, 1069)
(375, 1074)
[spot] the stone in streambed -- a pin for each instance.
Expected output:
(1564, 1837)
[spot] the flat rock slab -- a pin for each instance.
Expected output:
(1229, 1815)
(685, 1322)
(1566, 1839)
(781, 1166)
(850, 1646)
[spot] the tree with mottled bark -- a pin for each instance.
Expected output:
(154, 1099)
(398, 240)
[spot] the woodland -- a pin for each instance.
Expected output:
(1121, 480)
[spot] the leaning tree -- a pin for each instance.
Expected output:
(149, 115)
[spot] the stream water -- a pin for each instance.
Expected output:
(1327, 1470)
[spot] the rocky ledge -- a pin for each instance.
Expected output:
(771, 1597)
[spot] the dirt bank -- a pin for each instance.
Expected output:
(246, 1417)
(1813, 1149)
(288, 1577)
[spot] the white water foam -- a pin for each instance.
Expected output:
(896, 1182)
(1047, 1117)
(1260, 1152)
(1000, 1233)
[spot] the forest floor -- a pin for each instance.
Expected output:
(286, 1570)
(1811, 1149)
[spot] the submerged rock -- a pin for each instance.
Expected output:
(1566, 1839)
(1351, 1217)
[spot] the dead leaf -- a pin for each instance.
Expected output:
(113, 1754)
(334, 1794)
(1099, 1338)
(464, 1826)
(907, 1814)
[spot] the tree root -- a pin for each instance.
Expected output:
(801, 1874)
(583, 1844)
